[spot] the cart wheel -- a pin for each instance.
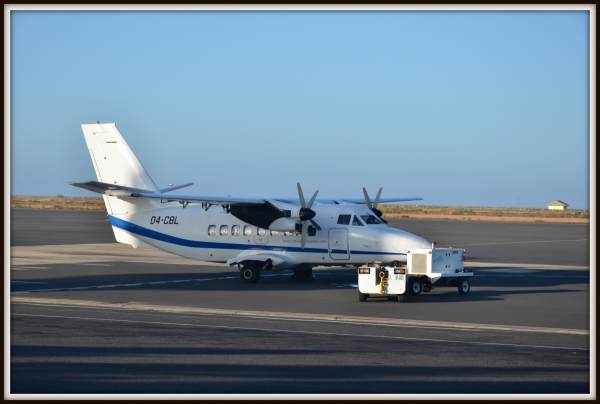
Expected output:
(464, 286)
(362, 297)
(414, 286)
(427, 288)
(403, 298)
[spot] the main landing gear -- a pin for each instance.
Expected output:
(250, 272)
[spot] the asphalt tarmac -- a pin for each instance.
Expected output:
(89, 315)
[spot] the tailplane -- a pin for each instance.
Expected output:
(115, 165)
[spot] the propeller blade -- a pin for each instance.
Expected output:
(367, 199)
(316, 225)
(303, 239)
(312, 200)
(301, 196)
(377, 197)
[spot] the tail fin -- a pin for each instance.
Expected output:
(115, 163)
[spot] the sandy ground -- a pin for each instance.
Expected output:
(486, 218)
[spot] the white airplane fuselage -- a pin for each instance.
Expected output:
(187, 232)
(254, 233)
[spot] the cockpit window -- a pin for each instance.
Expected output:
(356, 221)
(370, 219)
(344, 219)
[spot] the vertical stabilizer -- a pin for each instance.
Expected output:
(115, 163)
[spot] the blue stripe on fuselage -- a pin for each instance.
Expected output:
(142, 231)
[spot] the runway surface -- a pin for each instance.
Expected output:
(89, 315)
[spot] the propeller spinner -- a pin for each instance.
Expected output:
(373, 206)
(306, 214)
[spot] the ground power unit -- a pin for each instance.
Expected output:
(427, 267)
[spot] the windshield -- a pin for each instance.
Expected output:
(370, 219)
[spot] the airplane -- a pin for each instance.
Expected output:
(256, 234)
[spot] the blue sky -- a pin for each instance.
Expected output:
(471, 108)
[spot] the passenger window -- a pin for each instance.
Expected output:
(247, 230)
(212, 230)
(274, 233)
(235, 230)
(356, 221)
(344, 219)
(261, 232)
(287, 233)
(223, 230)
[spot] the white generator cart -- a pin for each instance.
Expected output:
(390, 282)
(437, 266)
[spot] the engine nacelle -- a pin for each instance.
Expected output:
(284, 224)
(273, 215)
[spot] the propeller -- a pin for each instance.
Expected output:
(373, 206)
(306, 214)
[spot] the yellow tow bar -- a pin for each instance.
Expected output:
(382, 282)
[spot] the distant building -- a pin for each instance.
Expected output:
(557, 205)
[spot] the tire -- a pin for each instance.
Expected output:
(415, 287)
(427, 288)
(403, 298)
(395, 264)
(250, 272)
(302, 274)
(362, 297)
(464, 286)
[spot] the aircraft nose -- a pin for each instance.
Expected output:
(412, 241)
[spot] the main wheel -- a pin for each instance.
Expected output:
(403, 298)
(250, 272)
(362, 297)
(414, 286)
(302, 274)
(464, 286)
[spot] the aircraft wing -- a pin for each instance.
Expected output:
(362, 201)
(129, 192)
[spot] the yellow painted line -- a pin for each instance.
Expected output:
(298, 316)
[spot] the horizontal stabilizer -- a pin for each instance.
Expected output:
(174, 187)
(108, 189)
(211, 200)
